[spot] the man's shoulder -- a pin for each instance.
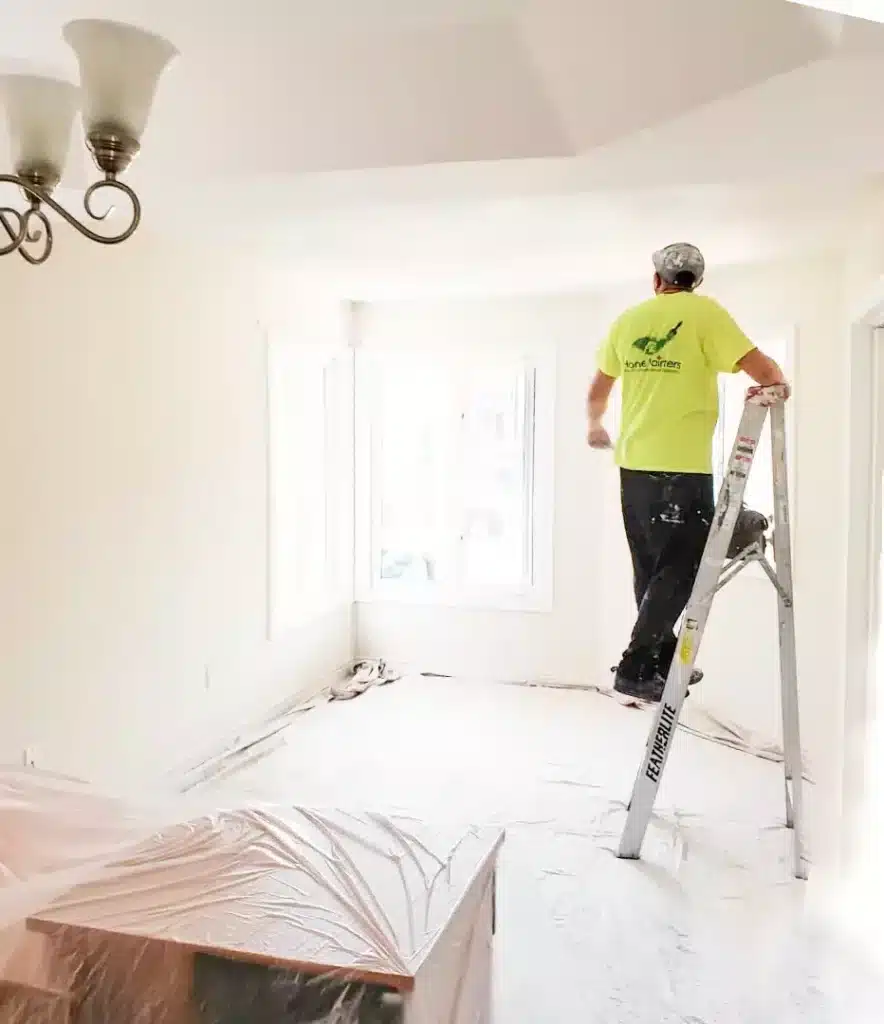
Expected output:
(645, 306)
(640, 311)
(706, 304)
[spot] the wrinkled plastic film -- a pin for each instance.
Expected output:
(178, 909)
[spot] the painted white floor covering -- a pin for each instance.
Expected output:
(708, 929)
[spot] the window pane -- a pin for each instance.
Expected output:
(412, 447)
(495, 460)
(452, 472)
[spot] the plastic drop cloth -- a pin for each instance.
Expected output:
(176, 910)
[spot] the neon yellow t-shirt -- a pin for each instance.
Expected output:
(669, 352)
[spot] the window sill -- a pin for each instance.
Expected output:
(533, 601)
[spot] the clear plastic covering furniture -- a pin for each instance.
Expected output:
(177, 910)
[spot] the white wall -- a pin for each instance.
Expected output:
(133, 519)
(582, 637)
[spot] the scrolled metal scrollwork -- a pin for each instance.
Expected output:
(16, 234)
(32, 229)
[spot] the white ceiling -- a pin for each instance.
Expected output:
(425, 144)
(535, 242)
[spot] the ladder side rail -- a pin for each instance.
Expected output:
(650, 773)
(792, 755)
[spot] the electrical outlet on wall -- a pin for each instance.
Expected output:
(29, 757)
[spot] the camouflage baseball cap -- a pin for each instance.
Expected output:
(678, 258)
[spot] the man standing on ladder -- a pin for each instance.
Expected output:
(668, 351)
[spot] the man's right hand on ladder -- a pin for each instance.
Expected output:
(774, 393)
(764, 371)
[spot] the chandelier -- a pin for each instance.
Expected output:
(120, 68)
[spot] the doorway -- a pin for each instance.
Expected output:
(873, 831)
(862, 793)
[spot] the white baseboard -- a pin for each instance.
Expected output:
(256, 732)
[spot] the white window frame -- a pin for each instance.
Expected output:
(301, 606)
(725, 431)
(537, 595)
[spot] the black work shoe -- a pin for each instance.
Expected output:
(696, 675)
(650, 690)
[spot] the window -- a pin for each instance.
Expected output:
(308, 401)
(458, 478)
(732, 396)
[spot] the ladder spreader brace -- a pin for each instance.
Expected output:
(715, 571)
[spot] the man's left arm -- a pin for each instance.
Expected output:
(600, 392)
(597, 405)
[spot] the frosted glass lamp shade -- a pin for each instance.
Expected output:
(40, 115)
(120, 68)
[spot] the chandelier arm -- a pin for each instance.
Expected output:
(94, 236)
(16, 237)
(40, 196)
(43, 232)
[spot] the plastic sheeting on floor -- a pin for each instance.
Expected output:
(709, 927)
(107, 904)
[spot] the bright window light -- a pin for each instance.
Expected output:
(458, 508)
(496, 458)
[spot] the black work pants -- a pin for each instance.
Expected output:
(667, 518)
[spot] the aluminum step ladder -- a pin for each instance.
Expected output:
(715, 571)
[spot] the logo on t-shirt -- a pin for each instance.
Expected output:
(651, 347)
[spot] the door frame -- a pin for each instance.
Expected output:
(862, 585)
